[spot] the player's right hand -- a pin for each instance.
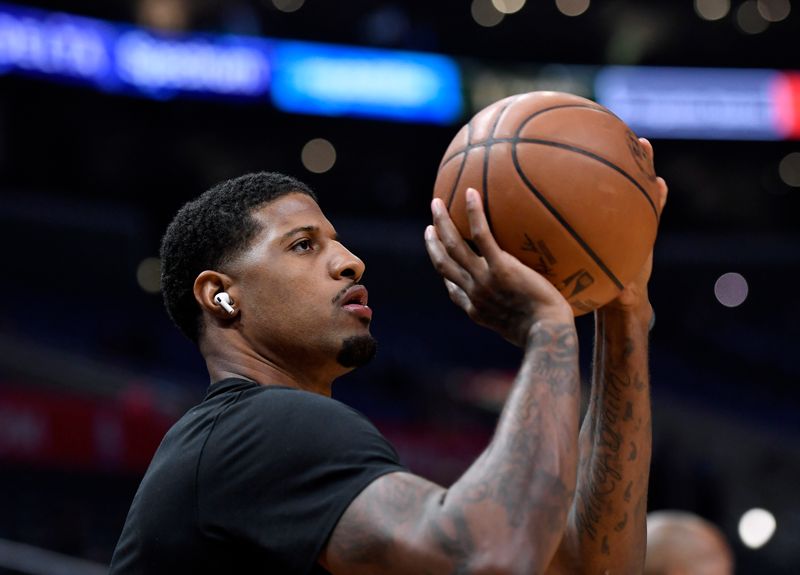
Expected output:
(494, 288)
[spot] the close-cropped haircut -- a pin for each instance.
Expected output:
(210, 231)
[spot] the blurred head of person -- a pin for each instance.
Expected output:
(681, 543)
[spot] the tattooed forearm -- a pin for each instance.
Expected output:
(454, 539)
(522, 471)
(607, 518)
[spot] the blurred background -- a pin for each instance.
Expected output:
(113, 114)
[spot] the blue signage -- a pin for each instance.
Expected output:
(348, 81)
(710, 103)
(308, 78)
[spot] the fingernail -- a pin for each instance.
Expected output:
(472, 195)
(436, 206)
(429, 233)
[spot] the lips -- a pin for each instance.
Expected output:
(354, 301)
(355, 295)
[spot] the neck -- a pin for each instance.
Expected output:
(248, 364)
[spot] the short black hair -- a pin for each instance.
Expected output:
(210, 230)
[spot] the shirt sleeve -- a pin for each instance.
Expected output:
(280, 468)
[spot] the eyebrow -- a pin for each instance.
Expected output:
(307, 229)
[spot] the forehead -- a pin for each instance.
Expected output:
(287, 213)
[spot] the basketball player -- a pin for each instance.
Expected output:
(681, 543)
(268, 474)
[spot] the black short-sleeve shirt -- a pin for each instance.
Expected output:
(252, 480)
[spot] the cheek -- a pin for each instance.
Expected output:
(298, 301)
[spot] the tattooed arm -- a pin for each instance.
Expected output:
(607, 524)
(508, 512)
(607, 530)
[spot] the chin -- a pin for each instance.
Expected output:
(357, 350)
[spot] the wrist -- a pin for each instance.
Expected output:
(640, 314)
(547, 323)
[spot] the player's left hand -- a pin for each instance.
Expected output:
(635, 296)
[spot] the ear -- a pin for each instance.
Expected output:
(208, 284)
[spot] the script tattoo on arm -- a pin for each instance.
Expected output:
(607, 522)
(509, 507)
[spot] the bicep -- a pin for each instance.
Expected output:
(388, 529)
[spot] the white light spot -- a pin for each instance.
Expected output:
(774, 10)
(288, 5)
(749, 19)
(148, 274)
(572, 7)
(485, 14)
(731, 289)
(789, 169)
(318, 155)
(756, 527)
(712, 9)
(508, 6)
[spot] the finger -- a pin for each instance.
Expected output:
(648, 150)
(443, 263)
(458, 296)
(479, 227)
(648, 147)
(663, 193)
(450, 237)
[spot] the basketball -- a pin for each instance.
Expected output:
(567, 188)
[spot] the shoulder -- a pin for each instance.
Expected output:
(287, 406)
(287, 423)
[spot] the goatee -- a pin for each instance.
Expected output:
(357, 351)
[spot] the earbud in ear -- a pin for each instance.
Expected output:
(224, 300)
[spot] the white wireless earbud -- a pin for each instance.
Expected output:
(224, 300)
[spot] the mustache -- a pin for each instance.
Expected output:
(341, 293)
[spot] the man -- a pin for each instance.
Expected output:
(270, 475)
(682, 543)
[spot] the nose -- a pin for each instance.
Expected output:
(344, 264)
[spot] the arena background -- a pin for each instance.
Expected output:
(97, 155)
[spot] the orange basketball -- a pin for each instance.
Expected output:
(567, 188)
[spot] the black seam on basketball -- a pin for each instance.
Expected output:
(455, 183)
(450, 159)
(562, 221)
(492, 140)
(460, 168)
(486, 210)
(463, 150)
(595, 157)
(561, 107)
(516, 140)
(581, 150)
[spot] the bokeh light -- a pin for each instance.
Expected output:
(288, 5)
(485, 14)
(148, 275)
(749, 19)
(789, 169)
(508, 6)
(318, 155)
(774, 10)
(756, 527)
(712, 9)
(731, 289)
(572, 7)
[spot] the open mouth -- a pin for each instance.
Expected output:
(354, 300)
(357, 295)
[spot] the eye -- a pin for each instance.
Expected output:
(302, 246)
